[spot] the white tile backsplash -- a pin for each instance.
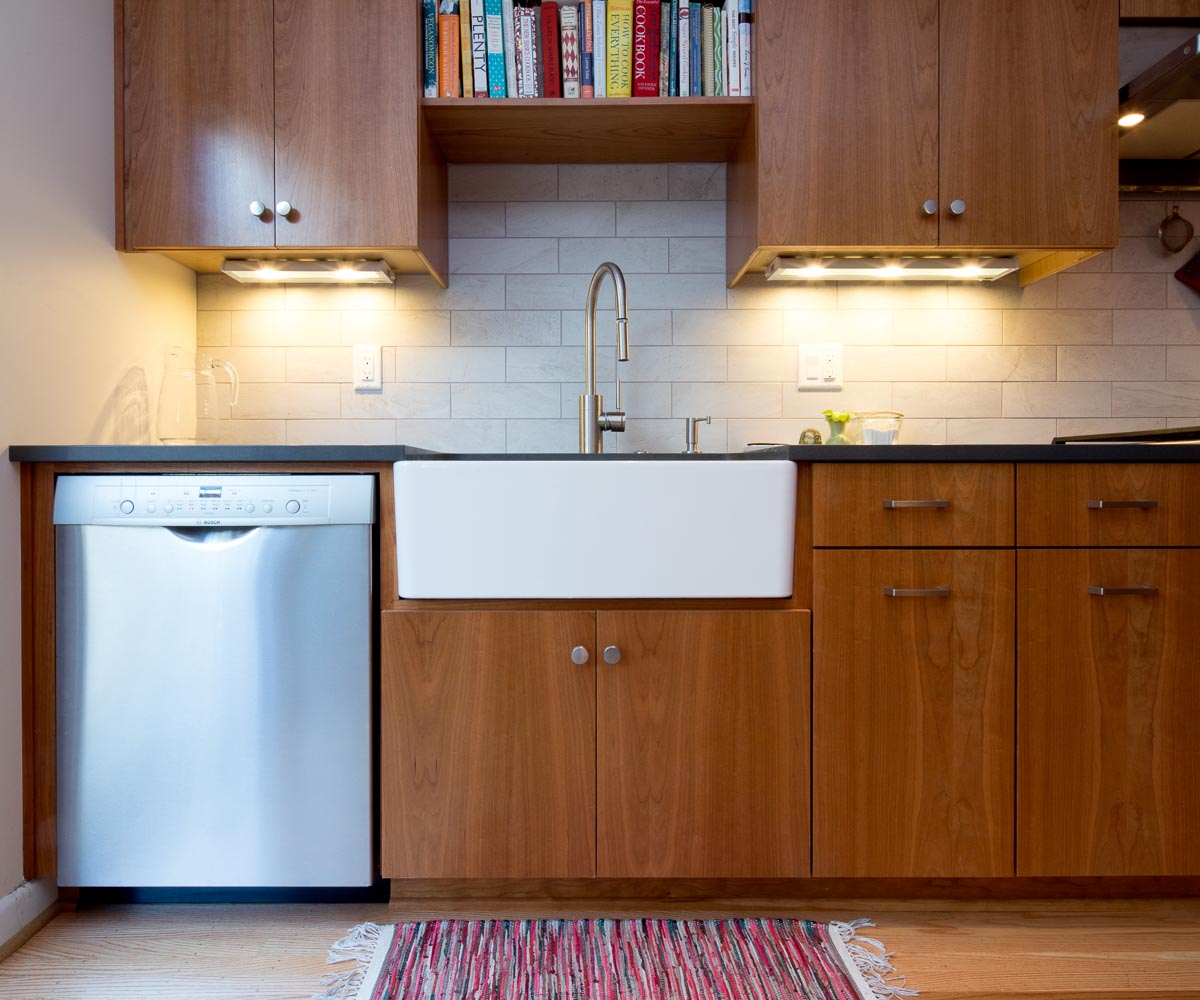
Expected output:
(495, 361)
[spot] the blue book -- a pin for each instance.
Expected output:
(697, 65)
(429, 21)
(497, 74)
(673, 79)
(587, 61)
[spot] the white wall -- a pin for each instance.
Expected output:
(81, 326)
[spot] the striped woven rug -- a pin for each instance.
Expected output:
(612, 960)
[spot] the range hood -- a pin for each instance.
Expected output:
(1162, 152)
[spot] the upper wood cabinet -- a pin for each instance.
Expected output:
(1154, 9)
(703, 744)
(983, 125)
(227, 103)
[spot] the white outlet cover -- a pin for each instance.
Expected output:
(367, 373)
(820, 367)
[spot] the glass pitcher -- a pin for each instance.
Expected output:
(187, 402)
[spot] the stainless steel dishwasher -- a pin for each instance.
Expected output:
(214, 680)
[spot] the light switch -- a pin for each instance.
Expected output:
(820, 366)
(368, 368)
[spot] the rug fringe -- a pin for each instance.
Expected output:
(357, 946)
(873, 961)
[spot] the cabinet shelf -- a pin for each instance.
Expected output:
(608, 130)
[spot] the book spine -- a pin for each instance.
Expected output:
(673, 42)
(464, 48)
(449, 58)
(718, 52)
(526, 54)
(587, 60)
(697, 47)
(620, 48)
(733, 72)
(429, 23)
(685, 49)
(510, 46)
(479, 63)
(569, 23)
(664, 49)
(550, 51)
(645, 48)
(744, 57)
(708, 68)
(497, 80)
(539, 52)
(600, 46)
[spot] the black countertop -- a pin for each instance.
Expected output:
(300, 454)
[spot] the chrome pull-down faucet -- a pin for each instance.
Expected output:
(593, 420)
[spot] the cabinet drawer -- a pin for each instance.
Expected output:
(882, 505)
(1116, 505)
(913, 690)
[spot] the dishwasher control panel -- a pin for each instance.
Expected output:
(213, 501)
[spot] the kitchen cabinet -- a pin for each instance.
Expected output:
(501, 756)
(959, 125)
(232, 108)
(913, 691)
(703, 744)
(1109, 694)
(1151, 9)
(487, 744)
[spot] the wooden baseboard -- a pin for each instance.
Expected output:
(627, 892)
(29, 930)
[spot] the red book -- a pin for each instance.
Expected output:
(646, 29)
(550, 44)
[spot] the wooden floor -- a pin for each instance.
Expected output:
(1033, 951)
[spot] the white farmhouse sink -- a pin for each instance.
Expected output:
(593, 529)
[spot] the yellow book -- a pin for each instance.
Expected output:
(620, 48)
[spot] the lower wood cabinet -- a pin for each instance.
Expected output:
(682, 753)
(487, 745)
(703, 744)
(913, 713)
(1108, 766)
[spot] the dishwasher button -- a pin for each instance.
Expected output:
(249, 508)
(267, 508)
(126, 506)
(168, 508)
(293, 507)
(151, 508)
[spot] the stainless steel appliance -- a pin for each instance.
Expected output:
(214, 680)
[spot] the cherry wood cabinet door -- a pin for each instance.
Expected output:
(198, 123)
(346, 107)
(487, 745)
(847, 103)
(913, 714)
(1109, 696)
(703, 744)
(1028, 123)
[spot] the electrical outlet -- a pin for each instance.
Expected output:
(368, 368)
(820, 366)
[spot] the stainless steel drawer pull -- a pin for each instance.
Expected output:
(1145, 590)
(928, 592)
(908, 504)
(1122, 504)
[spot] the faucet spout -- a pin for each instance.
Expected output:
(593, 421)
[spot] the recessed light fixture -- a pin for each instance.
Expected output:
(310, 272)
(1131, 119)
(890, 268)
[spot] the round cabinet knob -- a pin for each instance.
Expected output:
(293, 506)
(258, 209)
(929, 207)
(126, 506)
(268, 507)
(612, 654)
(249, 508)
(168, 508)
(958, 206)
(579, 655)
(283, 208)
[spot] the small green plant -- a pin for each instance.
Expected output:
(835, 416)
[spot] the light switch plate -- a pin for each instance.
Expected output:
(820, 367)
(368, 368)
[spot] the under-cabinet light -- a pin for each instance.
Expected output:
(310, 272)
(1131, 119)
(890, 268)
